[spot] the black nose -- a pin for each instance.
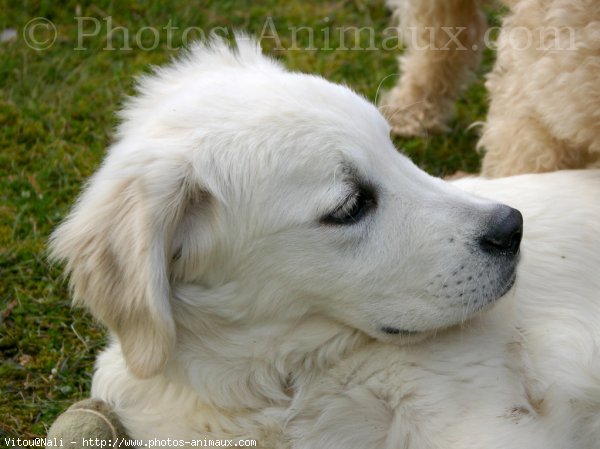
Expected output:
(504, 232)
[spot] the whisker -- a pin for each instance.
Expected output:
(381, 82)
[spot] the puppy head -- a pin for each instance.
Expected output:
(254, 194)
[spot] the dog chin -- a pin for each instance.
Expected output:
(398, 336)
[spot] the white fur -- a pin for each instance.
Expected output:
(238, 313)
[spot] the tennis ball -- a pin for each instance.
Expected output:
(86, 421)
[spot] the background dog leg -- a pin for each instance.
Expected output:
(518, 144)
(544, 92)
(443, 40)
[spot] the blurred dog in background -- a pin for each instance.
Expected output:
(544, 111)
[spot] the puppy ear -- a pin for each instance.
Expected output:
(116, 244)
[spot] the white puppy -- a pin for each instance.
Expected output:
(259, 250)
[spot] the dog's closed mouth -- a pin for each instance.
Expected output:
(395, 331)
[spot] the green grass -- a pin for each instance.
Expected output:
(56, 118)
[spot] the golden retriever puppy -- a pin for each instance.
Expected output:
(272, 269)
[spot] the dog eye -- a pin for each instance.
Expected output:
(352, 209)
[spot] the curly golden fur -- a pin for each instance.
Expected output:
(544, 88)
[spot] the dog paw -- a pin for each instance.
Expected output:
(413, 115)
